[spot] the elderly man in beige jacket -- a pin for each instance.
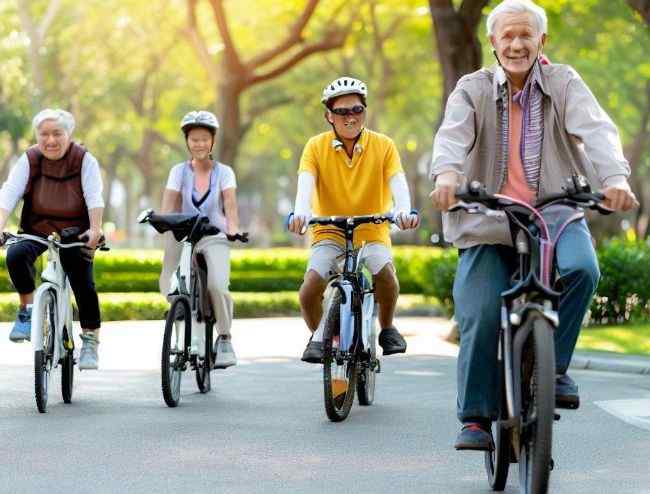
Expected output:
(521, 128)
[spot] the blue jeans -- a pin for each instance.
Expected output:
(484, 272)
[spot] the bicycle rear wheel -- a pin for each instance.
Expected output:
(339, 376)
(497, 461)
(204, 364)
(43, 363)
(173, 363)
(67, 368)
(538, 407)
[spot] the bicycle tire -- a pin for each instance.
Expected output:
(43, 358)
(537, 438)
(337, 407)
(497, 462)
(173, 355)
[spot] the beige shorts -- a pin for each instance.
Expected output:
(325, 257)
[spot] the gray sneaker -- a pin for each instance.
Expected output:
(88, 358)
(225, 354)
(22, 329)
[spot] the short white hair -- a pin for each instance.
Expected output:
(62, 117)
(518, 7)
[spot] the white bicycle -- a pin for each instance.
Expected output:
(51, 334)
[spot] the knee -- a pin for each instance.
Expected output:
(584, 271)
(386, 280)
(311, 289)
(15, 257)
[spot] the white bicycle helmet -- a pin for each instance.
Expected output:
(200, 118)
(343, 86)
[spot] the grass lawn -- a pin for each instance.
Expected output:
(633, 339)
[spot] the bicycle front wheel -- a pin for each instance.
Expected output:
(43, 363)
(173, 363)
(339, 375)
(538, 407)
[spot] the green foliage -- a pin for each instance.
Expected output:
(624, 290)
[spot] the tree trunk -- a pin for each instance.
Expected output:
(458, 46)
(230, 123)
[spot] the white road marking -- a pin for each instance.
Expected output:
(418, 373)
(634, 412)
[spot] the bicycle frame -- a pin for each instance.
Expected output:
(357, 301)
(535, 240)
(56, 281)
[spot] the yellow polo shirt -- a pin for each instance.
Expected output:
(351, 187)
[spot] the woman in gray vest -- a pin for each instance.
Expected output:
(202, 185)
(61, 187)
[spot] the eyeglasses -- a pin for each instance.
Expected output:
(344, 112)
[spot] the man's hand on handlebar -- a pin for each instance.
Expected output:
(407, 220)
(444, 193)
(297, 223)
(619, 198)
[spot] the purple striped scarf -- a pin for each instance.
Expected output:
(531, 100)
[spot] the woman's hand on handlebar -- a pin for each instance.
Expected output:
(92, 238)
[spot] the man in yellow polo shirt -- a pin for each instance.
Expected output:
(350, 171)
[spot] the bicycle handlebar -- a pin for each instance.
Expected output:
(343, 221)
(475, 200)
(51, 239)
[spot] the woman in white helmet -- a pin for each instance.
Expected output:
(349, 171)
(203, 185)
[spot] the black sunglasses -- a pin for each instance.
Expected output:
(344, 112)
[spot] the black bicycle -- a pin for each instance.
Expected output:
(526, 352)
(189, 296)
(350, 361)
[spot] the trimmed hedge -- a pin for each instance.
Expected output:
(152, 306)
(623, 293)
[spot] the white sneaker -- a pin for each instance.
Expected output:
(88, 358)
(225, 354)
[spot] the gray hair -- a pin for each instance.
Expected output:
(62, 117)
(518, 7)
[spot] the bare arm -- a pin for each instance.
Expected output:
(4, 216)
(94, 233)
(230, 208)
(171, 201)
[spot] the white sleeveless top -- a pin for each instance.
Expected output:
(181, 179)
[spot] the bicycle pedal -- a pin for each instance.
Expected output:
(551, 465)
(557, 416)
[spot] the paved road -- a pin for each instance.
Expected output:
(263, 427)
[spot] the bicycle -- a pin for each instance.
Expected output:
(51, 333)
(529, 318)
(350, 361)
(188, 297)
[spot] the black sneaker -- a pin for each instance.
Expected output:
(566, 393)
(313, 354)
(474, 437)
(391, 341)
